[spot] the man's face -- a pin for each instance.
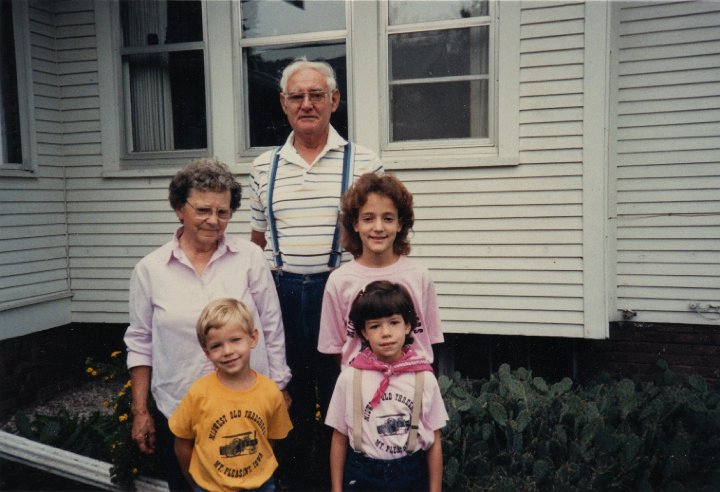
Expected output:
(308, 118)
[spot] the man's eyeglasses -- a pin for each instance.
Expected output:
(207, 212)
(298, 98)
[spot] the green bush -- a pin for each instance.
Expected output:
(516, 432)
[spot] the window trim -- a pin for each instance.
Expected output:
(117, 160)
(245, 152)
(503, 146)
(28, 147)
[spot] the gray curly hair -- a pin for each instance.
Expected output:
(207, 174)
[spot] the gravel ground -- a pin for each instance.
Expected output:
(82, 400)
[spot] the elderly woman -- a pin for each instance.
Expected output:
(170, 287)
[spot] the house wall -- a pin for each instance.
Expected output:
(512, 249)
(34, 287)
(666, 146)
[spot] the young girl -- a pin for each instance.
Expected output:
(376, 218)
(387, 405)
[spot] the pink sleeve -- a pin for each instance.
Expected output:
(431, 311)
(337, 410)
(333, 331)
(138, 336)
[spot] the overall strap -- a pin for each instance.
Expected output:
(357, 409)
(412, 435)
(347, 175)
(271, 215)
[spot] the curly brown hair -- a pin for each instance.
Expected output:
(356, 197)
(207, 174)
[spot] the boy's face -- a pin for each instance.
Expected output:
(228, 348)
(378, 224)
(386, 336)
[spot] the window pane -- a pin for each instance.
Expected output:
(167, 101)
(444, 53)
(148, 23)
(413, 11)
(442, 110)
(263, 18)
(264, 66)
(10, 138)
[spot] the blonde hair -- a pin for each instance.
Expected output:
(221, 312)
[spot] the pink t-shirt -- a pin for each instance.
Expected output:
(385, 428)
(337, 336)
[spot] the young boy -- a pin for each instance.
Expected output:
(225, 424)
(387, 405)
(376, 217)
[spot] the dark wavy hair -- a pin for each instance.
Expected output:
(204, 175)
(380, 299)
(356, 197)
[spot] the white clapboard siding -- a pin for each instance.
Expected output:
(668, 160)
(33, 256)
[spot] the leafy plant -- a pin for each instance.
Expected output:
(127, 461)
(102, 436)
(519, 432)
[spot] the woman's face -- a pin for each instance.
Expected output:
(205, 216)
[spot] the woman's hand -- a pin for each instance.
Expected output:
(143, 432)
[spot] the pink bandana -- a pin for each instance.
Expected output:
(409, 362)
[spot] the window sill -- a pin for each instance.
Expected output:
(7, 172)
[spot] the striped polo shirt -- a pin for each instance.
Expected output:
(306, 201)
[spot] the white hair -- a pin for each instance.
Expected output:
(303, 63)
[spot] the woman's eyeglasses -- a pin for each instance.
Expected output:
(207, 212)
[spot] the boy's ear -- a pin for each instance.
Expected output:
(254, 337)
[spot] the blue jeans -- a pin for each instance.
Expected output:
(409, 473)
(304, 454)
(268, 486)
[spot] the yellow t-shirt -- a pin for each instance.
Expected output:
(231, 430)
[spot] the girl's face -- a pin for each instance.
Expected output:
(386, 336)
(377, 225)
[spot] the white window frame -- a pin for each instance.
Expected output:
(117, 160)
(245, 151)
(367, 91)
(21, 33)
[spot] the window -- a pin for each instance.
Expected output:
(14, 78)
(273, 35)
(416, 78)
(163, 76)
(438, 70)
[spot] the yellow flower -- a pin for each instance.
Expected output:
(116, 354)
(128, 384)
(121, 394)
(94, 373)
(90, 370)
(123, 417)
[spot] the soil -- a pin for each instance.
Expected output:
(81, 400)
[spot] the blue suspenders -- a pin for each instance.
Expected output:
(335, 250)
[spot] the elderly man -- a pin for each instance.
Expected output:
(295, 197)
